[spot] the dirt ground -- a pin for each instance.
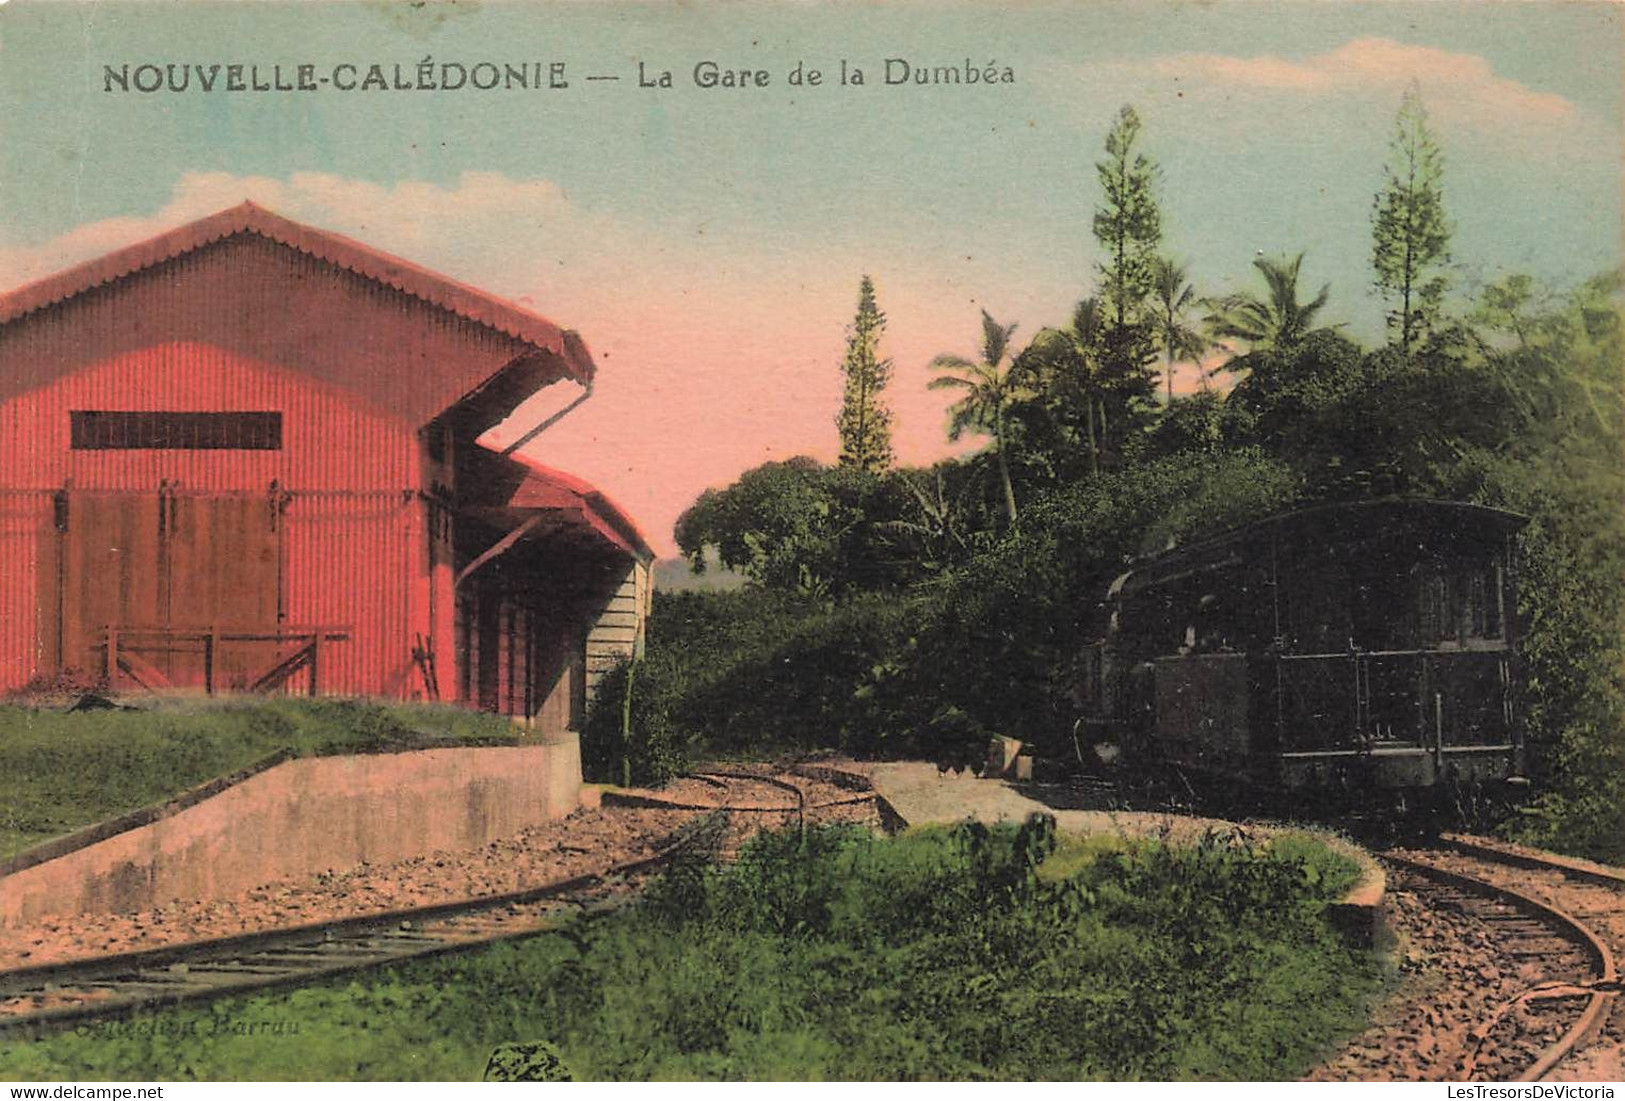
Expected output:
(590, 839)
(585, 841)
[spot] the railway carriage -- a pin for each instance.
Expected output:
(1359, 646)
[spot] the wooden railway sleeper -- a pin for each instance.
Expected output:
(1599, 991)
(181, 973)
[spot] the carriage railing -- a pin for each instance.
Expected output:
(275, 656)
(1370, 700)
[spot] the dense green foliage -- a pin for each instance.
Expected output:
(964, 623)
(1558, 386)
(146, 755)
(929, 671)
(752, 673)
(963, 954)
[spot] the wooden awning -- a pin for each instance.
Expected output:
(533, 503)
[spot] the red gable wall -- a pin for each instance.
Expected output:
(357, 352)
(260, 301)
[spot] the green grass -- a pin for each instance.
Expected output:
(943, 954)
(60, 771)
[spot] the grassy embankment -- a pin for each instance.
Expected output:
(60, 770)
(963, 954)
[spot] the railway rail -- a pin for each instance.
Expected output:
(40, 999)
(1558, 927)
(1558, 922)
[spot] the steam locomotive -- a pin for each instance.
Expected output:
(1368, 646)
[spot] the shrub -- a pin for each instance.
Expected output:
(753, 673)
(632, 741)
(987, 649)
(833, 954)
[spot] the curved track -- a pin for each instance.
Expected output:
(35, 1000)
(39, 999)
(796, 789)
(1533, 911)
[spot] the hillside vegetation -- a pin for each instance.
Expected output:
(916, 611)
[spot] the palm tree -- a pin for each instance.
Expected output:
(1275, 322)
(1172, 295)
(1069, 361)
(990, 388)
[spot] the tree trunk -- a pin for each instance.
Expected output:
(1004, 475)
(1089, 424)
(1103, 425)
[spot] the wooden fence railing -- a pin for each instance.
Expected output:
(296, 649)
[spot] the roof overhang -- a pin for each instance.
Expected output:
(518, 495)
(1375, 523)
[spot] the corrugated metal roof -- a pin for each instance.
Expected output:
(448, 294)
(503, 489)
(1340, 522)
(545, 487)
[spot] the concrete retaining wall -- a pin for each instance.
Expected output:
(300, 817)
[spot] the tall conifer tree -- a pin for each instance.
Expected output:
(865, 421)
(1128, 224)
(1410, 233)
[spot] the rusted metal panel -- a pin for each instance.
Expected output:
(27, 552)
(341, 253)
(350, 566)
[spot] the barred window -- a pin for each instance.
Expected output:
(108, 430)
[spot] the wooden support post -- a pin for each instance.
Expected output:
(211, 655)
(1438, 733)
(315, 660)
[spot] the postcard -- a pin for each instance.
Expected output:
(935, 540)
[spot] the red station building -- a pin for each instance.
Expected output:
(241, 456)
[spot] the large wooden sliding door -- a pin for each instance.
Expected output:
(162, 570)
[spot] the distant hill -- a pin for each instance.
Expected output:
(673, 575)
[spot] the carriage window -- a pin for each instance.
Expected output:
(118, 430)
(1483, 600)
(1460, 604)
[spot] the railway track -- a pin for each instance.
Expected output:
(1545, 933)
(37, 1000)
(794, 789)
(40, 999)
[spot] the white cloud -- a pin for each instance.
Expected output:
(409, 217)
(1459, 88)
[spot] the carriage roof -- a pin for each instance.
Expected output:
(1357, 521)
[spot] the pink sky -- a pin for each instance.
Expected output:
(680, 406)
(707, 366)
